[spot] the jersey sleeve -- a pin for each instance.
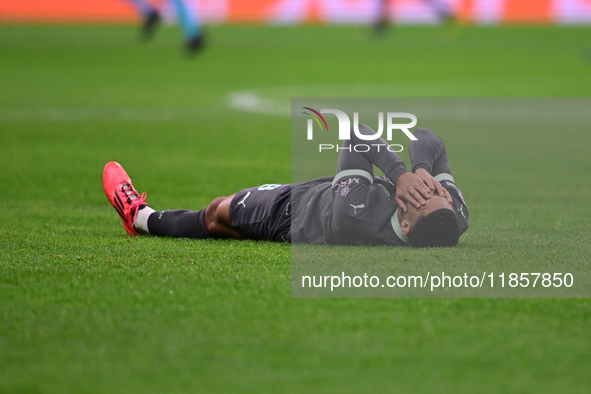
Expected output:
(428, 152)
(359, 162)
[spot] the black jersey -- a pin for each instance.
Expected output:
(343, 211)
(355, 207)
(366, 213)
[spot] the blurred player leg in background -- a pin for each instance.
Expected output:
(383, 17)
(192, 32)
(190, 25)
(440, 7)
(150, 17)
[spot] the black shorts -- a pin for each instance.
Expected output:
(263, 213)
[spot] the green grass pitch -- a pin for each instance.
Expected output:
(84, 308)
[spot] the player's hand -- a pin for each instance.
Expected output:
(411, 188)
(433, 184)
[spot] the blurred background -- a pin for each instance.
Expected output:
(306, 11)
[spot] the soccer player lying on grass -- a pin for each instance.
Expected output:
(419, 208)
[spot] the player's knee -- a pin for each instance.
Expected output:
(217, 217)
(212, 216)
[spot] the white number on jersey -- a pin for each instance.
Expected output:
(269, 186)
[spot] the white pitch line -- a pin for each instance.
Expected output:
(250, 102)
(492, 110)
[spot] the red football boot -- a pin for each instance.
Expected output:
(122, 195)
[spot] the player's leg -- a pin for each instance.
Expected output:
(441, 8)
(211, 222)
(151, 17)
(258, 213)
(190, 24)
(217, 218)
(138, 217)
(382, 18)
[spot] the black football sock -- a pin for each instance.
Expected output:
(179, 224)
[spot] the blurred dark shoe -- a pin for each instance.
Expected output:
(151, 23)
(379, 28)
(195, 44)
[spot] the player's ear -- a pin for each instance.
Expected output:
(405, 226)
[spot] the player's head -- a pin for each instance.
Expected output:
(434, 224)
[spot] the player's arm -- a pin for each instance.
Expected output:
(409, 187)
(429, 160)
(428, 157)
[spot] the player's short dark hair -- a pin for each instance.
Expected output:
(439, 228)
